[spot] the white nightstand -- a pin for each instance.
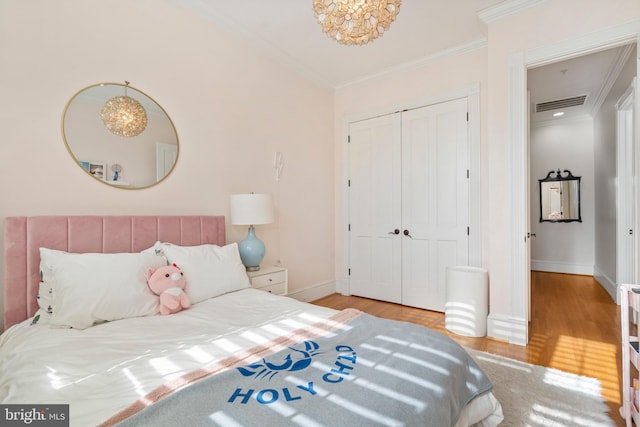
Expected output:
(270, 279)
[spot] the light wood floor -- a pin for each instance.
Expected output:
(575, 327)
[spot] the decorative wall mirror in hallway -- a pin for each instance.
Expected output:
(560, 197)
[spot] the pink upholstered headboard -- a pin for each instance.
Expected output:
(24, 236)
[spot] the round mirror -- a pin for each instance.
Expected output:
(120, 136)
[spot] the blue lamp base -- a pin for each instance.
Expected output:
(251, 250)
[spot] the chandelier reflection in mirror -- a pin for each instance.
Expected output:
(355, 21)
(124, 116)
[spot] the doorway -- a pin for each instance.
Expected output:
(519, 205)
(571, 117)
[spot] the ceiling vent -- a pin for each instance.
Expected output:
(575, 101)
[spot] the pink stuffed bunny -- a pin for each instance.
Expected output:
(169, 282)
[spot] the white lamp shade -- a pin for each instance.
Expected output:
(251, 209)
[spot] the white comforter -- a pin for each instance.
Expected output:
(103, 369)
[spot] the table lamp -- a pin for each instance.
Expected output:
(251, 209)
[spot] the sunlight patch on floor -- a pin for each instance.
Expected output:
(579, 356)
(542, 415)
(576, 384)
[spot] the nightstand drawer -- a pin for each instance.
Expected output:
(278, 277)
(276, 289)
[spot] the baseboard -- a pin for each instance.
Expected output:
(342, 286)
(562, 267)
(507, 328)
(314, 292)
(609, 285)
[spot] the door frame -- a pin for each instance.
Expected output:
(625, 266)
(161, 149)
(518, 330)
(472, 94)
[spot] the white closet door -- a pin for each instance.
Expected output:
(374, 208)
(435, 200)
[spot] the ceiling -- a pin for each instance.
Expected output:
(591, 75)
(287, 31)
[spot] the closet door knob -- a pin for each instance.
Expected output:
(406, 233)
(396, 231)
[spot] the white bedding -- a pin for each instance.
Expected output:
(105, 368)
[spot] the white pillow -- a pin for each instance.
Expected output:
(45, 289)
(91, 288)
(210, 270)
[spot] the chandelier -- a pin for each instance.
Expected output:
(355, 21)
(124, 116)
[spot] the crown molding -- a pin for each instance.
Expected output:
(560, 121)
(412, 65)
(506, 8)
(612, 75)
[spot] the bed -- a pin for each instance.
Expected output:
(237, 356)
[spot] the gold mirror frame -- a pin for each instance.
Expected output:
(135, 162)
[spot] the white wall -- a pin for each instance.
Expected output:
(605, 173)
(563, 247)
(232, 108)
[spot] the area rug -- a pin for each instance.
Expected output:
(535, 396)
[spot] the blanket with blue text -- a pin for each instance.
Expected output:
(351, 369)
